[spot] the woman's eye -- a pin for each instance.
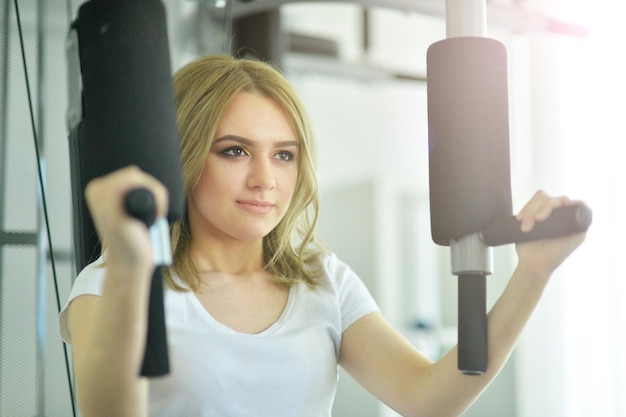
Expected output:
(284, 156)
(234, 151)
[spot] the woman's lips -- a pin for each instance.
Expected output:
(255, 207)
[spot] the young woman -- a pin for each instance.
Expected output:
(257, 324)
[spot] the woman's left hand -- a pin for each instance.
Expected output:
(540, 258)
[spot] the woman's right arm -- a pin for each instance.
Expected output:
(109, 331)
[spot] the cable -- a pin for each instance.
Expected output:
(43, 193)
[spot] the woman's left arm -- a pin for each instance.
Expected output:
(392, 369)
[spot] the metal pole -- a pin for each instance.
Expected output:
(466, 18)
(472, 259)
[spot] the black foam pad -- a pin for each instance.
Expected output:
(128, 105)
(128, 99)
(469, 158)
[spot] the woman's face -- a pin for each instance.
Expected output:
(249, 174)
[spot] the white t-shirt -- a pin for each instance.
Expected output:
(289, 369)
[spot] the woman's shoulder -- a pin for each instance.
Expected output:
(352, 295)
(90, 279)
(332, 267)
(88, 282)
(332, 270)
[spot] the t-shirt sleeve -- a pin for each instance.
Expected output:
(355, 300)
(88, 282)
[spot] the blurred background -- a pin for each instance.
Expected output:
(360, 68)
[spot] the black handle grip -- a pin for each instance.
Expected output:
(140, 204)
(564, 220)
(155, 359)
(472, 325)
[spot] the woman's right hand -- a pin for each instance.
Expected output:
(125, 238)
(108, 331)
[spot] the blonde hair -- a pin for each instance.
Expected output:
(204, 90)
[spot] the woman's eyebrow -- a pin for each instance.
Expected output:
(249, 142)
(287, 144)
(234, 138)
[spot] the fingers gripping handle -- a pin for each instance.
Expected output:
(564, 220)
(140, 204)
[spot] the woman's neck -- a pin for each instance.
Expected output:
(231, 257)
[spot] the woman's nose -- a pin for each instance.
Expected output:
(261, 174)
